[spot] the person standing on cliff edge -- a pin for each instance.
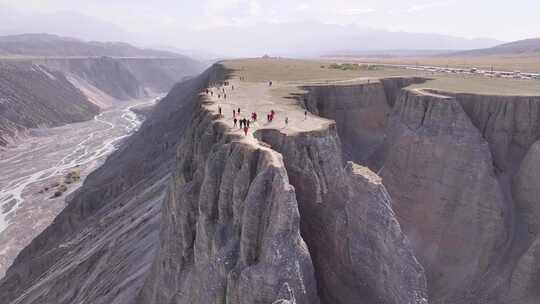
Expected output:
(246, 130)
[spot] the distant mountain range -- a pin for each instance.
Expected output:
(302, 38)
(522, 48)
(56, 46)
(527, 47)
(313, 39)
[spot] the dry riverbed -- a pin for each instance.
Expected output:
(39, 173)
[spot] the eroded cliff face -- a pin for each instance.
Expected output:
(230, 229)
(124, 78)
(526, 190)
(526, 186)
(510, 124)
(160, 74)
(526, 277)
(358, 249)
(34, 96)
(461, 171)
(438, 170)
(55, 91)
(100, 248)
(360, 113)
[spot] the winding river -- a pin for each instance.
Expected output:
(42, 161)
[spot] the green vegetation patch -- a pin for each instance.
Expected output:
(354, 67)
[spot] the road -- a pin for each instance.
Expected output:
(42, 161)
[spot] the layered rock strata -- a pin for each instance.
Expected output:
(358, 249)
(230, 226)
(439, 171)
(34, 96)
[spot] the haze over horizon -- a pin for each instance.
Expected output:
(252, 27)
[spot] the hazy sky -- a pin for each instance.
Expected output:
(178, 22)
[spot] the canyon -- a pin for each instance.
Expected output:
(49, 81)
(60, 117)
(362, 190)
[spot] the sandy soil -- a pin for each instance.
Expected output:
(260, 98)
(42, 161)
(529, 64)
(318, 72)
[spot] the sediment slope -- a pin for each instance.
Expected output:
(50, 92)
(124, 78)
(34, 96)
(100, 247)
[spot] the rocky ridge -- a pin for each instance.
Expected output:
(221, 237)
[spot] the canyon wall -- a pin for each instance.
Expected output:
(230, 231)
(358, 249)
(125, 78)
(438, 170)
(34, 96)
(101, 246)
(460, 169)
(360, 112)
(49, 92)
(234, 229)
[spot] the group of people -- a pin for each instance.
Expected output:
(221, 92)
(243, 123)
